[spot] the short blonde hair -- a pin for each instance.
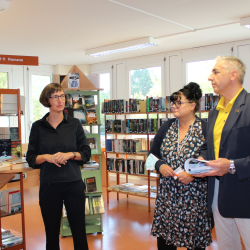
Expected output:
(233, 63)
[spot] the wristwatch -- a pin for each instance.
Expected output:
(232, 169)
(73, 156)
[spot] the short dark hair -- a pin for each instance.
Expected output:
(192, 92)
(49, 90)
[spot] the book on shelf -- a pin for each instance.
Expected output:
(69, 111)
(91, 117)
(87, 209)
(5, 148)
(93, 145)
(64, 212)
(90, 165)
(73, 80)
(14, 200)
(12, 241)
(77, 100)
(16, 147)
(89, 102)
(80, 114)
(69, 101)
(98, 204)
(90, 184)
(6, 234)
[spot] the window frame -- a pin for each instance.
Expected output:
(144, 66)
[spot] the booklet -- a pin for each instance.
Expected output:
(196, 166)
(150, 162)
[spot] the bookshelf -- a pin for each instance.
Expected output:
(147, 132)
(149, 175)
(92, 131)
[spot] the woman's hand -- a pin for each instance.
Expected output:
(166, 171)
(61, 158)
(185, 177)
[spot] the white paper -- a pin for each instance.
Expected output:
(150, 162)
(196, 166)
(177, 171)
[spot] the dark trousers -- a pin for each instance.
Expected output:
(51, 197)
(161, 244)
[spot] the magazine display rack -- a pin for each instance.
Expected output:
(91, 125)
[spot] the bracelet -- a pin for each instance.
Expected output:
(73, 156)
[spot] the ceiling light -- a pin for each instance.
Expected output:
(122, 47)
(4, 5)
(245, 22)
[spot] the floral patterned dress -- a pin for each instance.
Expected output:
(181, 216)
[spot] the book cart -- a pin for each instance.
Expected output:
(93, 221)
(150, 174)
(8, 175)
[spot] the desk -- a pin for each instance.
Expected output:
(5, 176)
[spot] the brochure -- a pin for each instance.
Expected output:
(150, 162)
(196, 166)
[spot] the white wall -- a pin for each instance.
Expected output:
(173, 66)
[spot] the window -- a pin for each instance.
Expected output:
(199, 72)
(145, 82)
(38, 82)
(4, 121)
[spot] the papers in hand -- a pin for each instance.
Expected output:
(196, 166)
(150, 162)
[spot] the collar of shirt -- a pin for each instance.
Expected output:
(65, 117)
(230, 104)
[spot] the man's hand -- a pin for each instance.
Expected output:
(166, 171)
(220, 166)
(185, 177)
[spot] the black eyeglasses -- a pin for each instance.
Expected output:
(178, 103)
(56, 97)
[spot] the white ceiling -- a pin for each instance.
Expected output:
(58, 31)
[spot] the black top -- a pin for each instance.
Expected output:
(67, 137)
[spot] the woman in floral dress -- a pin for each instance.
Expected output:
(181, 218)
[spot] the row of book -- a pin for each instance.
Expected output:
(152, 104)
(9, 239)
(130, 188)
(130, 166)
(9, 148)
(132, 105)
(209, 101)
(124, 146)
(127, 126)
(10, 201)
(97, 204)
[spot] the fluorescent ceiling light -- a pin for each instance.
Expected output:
(245, 22)
(122, 47)
(4, 5)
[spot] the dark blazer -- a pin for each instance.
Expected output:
(234, 189)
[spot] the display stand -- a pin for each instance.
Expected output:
(93, 221)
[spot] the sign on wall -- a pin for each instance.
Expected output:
(19, 60)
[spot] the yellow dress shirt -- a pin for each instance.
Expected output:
(221, 120)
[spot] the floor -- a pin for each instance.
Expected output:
(126, 225)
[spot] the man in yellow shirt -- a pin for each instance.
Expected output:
(228, 150)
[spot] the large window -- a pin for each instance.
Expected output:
(145, 82)
(199, 72)
(38, 82)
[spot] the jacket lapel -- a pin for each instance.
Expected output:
(233, 116)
